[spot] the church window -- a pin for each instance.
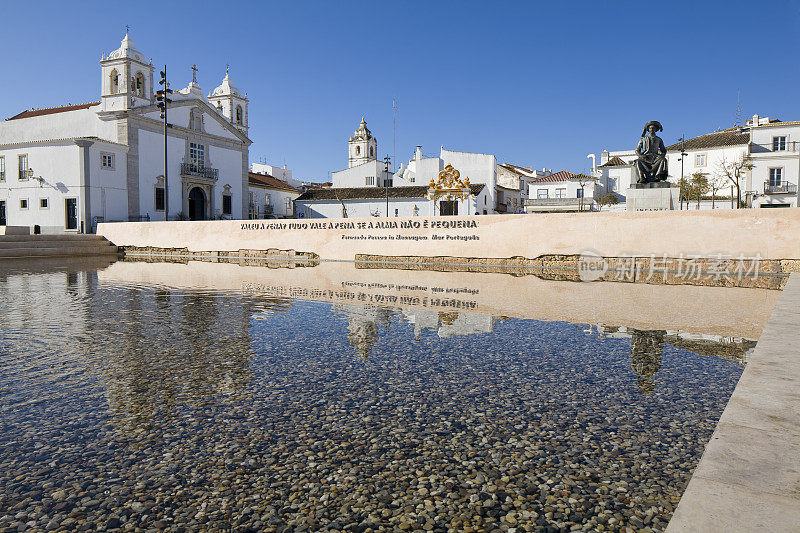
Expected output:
(358, 150)
(371, 152)
(107, 161)
(197, 156)
(2, 168)
(138, 84)
(226, 204)
(238, 114)
(43, 204)
(219, 107)
(23, 166)
(159, 198)
(114, 80)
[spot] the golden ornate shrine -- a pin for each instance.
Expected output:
(449, 185)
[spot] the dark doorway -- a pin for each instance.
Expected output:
(2, 213)
(448, 207)
(71, 205)
(197, 204)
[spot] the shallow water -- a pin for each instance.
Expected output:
(137, 405)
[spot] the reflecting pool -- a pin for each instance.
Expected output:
(130, 400)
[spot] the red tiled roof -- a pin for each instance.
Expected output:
(562, 175)
(265, 180)
(52, 110)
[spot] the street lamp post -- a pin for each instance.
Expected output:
(683, 156)
(386, 161)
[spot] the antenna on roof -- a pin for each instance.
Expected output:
(394, 130)
(738, 108)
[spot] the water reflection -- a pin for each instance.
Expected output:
(138, 404)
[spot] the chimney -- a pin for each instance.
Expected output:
(418, 154)
(755, 120)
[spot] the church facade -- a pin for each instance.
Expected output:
(63, 169)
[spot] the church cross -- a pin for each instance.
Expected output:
(194, 73)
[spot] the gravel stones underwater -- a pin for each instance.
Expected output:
(161, 410)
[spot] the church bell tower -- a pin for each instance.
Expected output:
(363, 147)
(126, 78)
(230, 103)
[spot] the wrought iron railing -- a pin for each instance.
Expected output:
(191, 169)
(780, 188)
(268, 209)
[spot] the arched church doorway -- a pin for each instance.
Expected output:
(197, 204)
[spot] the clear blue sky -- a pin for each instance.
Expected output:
(538, 84)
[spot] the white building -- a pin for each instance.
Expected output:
(773, 147)
(562, 191)
(363, 169)
(65, 168)
(515, 177)
(269, 197)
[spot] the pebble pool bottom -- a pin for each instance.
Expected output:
(133, 408)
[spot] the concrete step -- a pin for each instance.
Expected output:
(48, 238)
(61, 251)
(93, 243)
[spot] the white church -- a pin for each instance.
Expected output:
(64, 169)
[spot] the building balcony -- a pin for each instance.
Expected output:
(190, 169)
(775, 148)
(781, 188)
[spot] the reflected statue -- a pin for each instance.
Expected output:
(363, 325)
(652, 155)
(647, 348)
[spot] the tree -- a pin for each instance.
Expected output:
(608, 199)
(685, 192)
(732, 172)
(715, 184)
(698, 186)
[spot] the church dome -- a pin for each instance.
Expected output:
(226, 88)
(127, 50)
(362, 133)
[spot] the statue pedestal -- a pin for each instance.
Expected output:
(656, 198)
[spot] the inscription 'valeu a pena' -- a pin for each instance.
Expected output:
(382, 224)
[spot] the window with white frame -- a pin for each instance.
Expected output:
(23, 166)
(561, 193)
(775, 177)
(197, 156)
(700, 160)
(23, 203)
(107, 161)
(370, 181)
(227, 204)
(541, 193)
(779, 143)
(2, 168)
(43, 203)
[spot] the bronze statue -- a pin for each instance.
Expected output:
(652, 160)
